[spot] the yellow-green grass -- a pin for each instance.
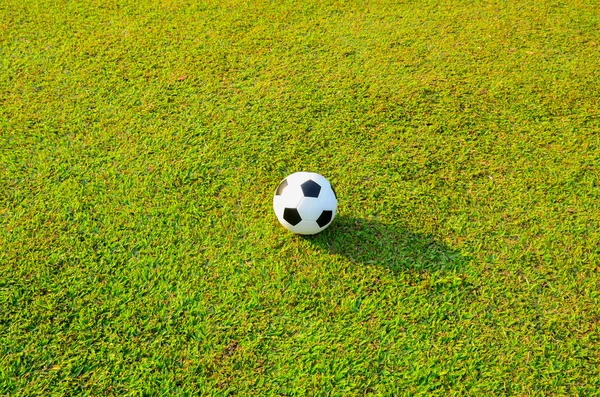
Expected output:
(140, 146)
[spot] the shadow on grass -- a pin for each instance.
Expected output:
(374, 242)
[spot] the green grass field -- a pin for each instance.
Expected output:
(140, 146)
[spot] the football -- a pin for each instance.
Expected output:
(305, 203)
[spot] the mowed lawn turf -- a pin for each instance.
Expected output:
(141, 144)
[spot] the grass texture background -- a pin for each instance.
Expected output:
(141, 143)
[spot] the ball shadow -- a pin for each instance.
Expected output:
(368, 241)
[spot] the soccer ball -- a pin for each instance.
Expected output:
(305, 203)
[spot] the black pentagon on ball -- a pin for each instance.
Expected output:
(310, 188)
(280, 188)
(324, 218)
(292, 216)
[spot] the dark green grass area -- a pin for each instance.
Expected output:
(140, 146)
